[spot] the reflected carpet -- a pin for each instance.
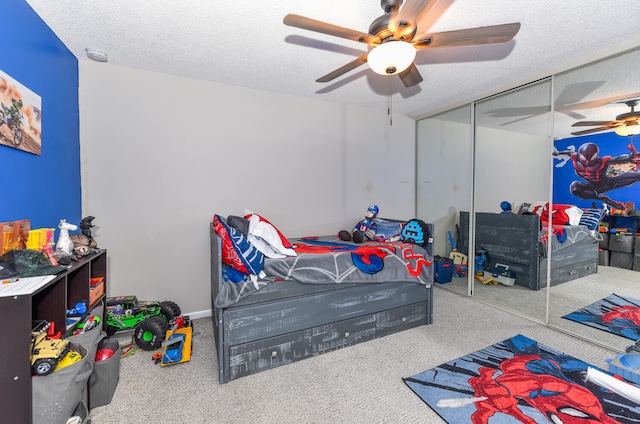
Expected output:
(616, 314)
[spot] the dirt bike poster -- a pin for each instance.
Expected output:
(20, 116)
(600, 168)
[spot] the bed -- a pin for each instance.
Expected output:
(276, 321)
(515, 240)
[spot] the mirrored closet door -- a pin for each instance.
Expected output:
(597, 93)
(501, 149)
(512, 164)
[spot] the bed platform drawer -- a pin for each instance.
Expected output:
(261, 321)
(567, 273)
(260, 355)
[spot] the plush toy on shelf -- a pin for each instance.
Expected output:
(365, 229)
(64, 246)
(83, 243)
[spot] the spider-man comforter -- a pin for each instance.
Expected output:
(565, 235)
(326, 260)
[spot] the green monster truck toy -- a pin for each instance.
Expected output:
(150, 319)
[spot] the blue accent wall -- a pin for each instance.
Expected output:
(43, 188)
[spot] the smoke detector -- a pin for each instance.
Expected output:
(95, 54)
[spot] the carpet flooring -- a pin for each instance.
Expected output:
(519, 380)
(564, 299)
(358, 384)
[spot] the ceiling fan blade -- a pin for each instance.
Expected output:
(329, 29)
(592, 123)
(410, 76)
(592, 130)
(409, 16)
(600, 102)
(468, 37)
(343, 69)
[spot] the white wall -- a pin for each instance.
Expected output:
(443, 175)
(162, 154)
(509, 166)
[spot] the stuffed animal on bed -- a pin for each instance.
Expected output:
(365, 229)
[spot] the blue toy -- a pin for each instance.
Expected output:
(506, 207)
(173, 349)
(626, 366)
(412, 231)
(79, 309)
(481, 258)
(417, 232)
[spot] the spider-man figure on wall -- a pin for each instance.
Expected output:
(601, 174)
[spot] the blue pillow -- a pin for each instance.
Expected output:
(591, 217)
(387, 229)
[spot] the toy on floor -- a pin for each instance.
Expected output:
(150, 319)
(365, 229)
(481, 259)
(176, 348)
(486, 279)
(634, 347)
(626, 366)
(460, 260)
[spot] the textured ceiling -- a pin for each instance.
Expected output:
(245, 43)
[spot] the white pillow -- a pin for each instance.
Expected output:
(574, 213)
(266, 238)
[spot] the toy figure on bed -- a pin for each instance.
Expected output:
(506, 207)
(365, 229)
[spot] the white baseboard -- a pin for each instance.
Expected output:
(200, 314)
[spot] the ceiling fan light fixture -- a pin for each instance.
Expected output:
(630, 128)
(391, 58)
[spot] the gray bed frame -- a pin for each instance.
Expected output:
(288, 321)
(512, 239)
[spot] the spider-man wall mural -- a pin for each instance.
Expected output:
(600, 169)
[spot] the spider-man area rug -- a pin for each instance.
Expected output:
(520, 381)
(616, 314)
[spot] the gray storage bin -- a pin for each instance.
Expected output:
(603, 257)
(604, 243)
(636, 261)
(98, 310)
(621, 260)
(622, 242)
(105, 376)
(90, 339)
(56, 396)
(80, 415)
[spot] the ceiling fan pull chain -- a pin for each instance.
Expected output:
(390, 109)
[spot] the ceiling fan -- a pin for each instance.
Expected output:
(624, 124)
(393, 40)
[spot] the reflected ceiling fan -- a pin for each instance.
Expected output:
(393, 38)
(624, 124)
